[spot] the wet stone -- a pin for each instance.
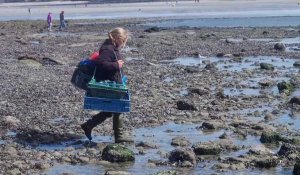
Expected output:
(270, 137)
(42, 166)
(295, 100)
(184, 105)
(279, 47)
(170, 172)
(110, 172)
(287, 149)
(266, 66)
(285, 86)
(180, 155)
(213, 125)
(208, 148)
(266, 83)
(260, 150)
(267, 162)
(297, 64)
(117, 153)
(180, 141)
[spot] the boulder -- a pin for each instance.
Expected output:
(117, 153)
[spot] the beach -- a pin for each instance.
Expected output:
(220, 96)
(183, 9)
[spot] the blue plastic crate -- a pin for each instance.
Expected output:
(107, 104)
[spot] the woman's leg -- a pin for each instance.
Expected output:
(93, 122)
(120, 134)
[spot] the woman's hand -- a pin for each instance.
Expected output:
(120, 63)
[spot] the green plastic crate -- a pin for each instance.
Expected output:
(107, 89)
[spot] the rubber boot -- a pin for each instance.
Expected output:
(91, 123)
(120, 135)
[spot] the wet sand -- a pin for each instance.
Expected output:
(205, 9)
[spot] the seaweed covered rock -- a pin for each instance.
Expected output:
(117, 153)
(208, 148)
(285, 86)
(270, 137)
(267, 162)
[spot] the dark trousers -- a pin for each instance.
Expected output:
(102, 116)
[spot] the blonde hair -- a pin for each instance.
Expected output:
(118, 34)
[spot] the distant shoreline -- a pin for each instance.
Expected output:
(169, 9)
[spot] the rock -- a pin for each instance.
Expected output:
(224, 136)
(208, 148)
(266, 82)
(42, 166)
(146, 145)
(198, 91)
(297, 64)
(213, 124)
(220, 54)
(260, 150)
(267, 162)
(285, 86)
(180, 141)
(152, 29)
(184, 105)
(83, 159)
(295, 100)
(269, 116)
(170, 172)
(286, 149)
(111, 172)
(266, 66)
(117, 153)
(10, 121)
(180, 155)
(270, 137)
(211, 66)
(279, 47)
(296, 170)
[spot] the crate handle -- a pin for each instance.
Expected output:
(107, 101)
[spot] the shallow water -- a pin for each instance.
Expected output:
(161, 137)
(289, 119)
(231, 22)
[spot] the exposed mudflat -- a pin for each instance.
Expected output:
(198, 79)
